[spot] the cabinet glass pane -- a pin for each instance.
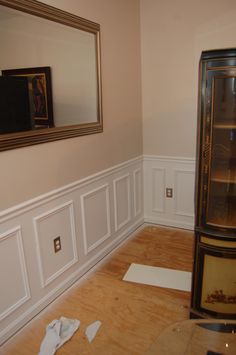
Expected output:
(221, 209)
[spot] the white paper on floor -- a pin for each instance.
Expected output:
(158, 276)
(92, 329)
(57, 333)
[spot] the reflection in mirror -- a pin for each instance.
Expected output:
(59, 56)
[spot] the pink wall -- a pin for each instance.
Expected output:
(173, 34)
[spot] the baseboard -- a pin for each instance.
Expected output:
(169, 223)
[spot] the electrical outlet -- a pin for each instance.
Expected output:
(57, 244)
(169, 192)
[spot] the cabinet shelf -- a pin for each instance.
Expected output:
(224, 126)
(224, 176)
(223, 222)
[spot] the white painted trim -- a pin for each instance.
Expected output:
(87, 249)
(44, 198)
(16, 232)
(115, 181)
(168, 222)
(184, 171)
(161, 210)
(137, 211)
(170, 159)
(45, 282)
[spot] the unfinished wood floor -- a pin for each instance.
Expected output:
(132, 315)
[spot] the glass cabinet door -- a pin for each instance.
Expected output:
(221, 199)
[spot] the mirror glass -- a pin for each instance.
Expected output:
(56, 56)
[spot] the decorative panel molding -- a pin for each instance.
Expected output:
(122, 208)
(169, 172)
(138, 192)
(158, 192)
(15, 289)
(95, 208)
(58, 222)
(184, 192)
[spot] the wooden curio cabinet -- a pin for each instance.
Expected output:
(214, 272)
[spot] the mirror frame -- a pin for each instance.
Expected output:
(27, 138)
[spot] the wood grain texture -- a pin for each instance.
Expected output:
(132, 315)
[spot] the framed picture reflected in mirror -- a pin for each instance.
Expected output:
(40, 93)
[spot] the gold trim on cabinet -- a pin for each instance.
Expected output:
(217, 242)
(201, 133)
(222, 68)
(209, 157)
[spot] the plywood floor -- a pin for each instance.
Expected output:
(132, 315)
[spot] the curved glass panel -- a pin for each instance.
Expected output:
(221, 208)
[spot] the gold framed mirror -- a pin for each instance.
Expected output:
(58, 55)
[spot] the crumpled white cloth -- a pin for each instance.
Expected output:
(92, 329)
(57, 333)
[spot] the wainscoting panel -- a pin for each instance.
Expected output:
(158, 196)
(90, 216)
(95, 217)
(138, 192)
(56, 223)
(122, 207)
(184, 191)
(13, 274)
(177, 174)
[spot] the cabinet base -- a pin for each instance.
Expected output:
(194, 314)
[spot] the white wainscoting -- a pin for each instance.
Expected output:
(169, 172)
(91, 217)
